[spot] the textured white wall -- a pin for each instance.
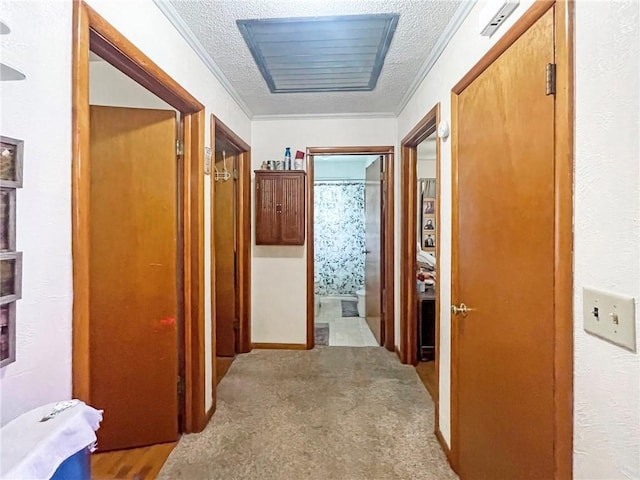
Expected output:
(279, 273)
(108, 86)
(607, 234)
(38, 111)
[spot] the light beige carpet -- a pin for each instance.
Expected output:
(329, 413)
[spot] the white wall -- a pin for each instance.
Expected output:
(110, 87)
(607, 234)
(352, 167)
(279, 273)
(607, 389)
(38, 110)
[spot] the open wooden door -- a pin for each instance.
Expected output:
(373, 247)
(133, 324)
(504, 306)
(226, 253)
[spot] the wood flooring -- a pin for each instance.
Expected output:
(142, 463)
(427, 373)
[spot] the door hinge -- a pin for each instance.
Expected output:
(236, 324)
(551, 78)
(235, 173)
(180, 385)
(179, 147)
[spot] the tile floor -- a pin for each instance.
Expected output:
(344, 331)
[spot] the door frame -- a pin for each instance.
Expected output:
(408, 234)
(387, 275)
(563, 241)
(243, 245)
(426, 127)
(91, 32)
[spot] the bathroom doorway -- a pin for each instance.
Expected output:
(347, 251)
(340, 255)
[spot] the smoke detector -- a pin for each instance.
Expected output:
(494, 14)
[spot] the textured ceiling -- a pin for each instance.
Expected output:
(421, 23)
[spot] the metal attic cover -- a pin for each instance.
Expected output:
(320, 54)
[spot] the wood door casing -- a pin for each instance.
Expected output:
(373, 248)
(225, 251)
(133, 286)
(505, 259)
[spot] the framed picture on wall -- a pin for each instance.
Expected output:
(7, 333)
(7, 219)
(10, 276)
(11, 153)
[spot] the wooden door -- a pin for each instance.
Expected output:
(133, 289)
(505, 256)
(225, 264)
(373, 247)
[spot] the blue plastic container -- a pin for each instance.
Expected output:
(76, 467)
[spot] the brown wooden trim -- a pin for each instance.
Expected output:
(523, 24)
(443, 445)
(280, 346)
(563, 192)
(80, 172)
(229, 135)
(454, 283)
(389, 241)
(91, 31)
(563, 290)
(193, 228)
(389, 254)
(408, 233)
(436, 400)
(311, 310)
(243, 227)
(349, 150)
(244, 251)
(117, 50)
(212, 266)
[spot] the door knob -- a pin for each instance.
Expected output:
(461, 310)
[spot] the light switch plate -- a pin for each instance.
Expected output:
(610, 316)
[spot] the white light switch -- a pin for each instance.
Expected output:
(610, 316)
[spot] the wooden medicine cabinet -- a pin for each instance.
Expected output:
(280, 207)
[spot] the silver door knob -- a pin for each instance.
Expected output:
(461, 310)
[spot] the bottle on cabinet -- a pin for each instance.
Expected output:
(287, 158)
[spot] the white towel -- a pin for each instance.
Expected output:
(31, 449)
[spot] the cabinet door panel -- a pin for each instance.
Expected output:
(293, 211)
(267, 219)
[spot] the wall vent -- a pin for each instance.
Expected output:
(320, 54)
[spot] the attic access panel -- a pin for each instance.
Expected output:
(320, 54)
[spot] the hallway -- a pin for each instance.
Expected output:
(328, 413)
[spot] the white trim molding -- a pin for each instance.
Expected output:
(323, 116)
(183, 29)
(445, 37)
